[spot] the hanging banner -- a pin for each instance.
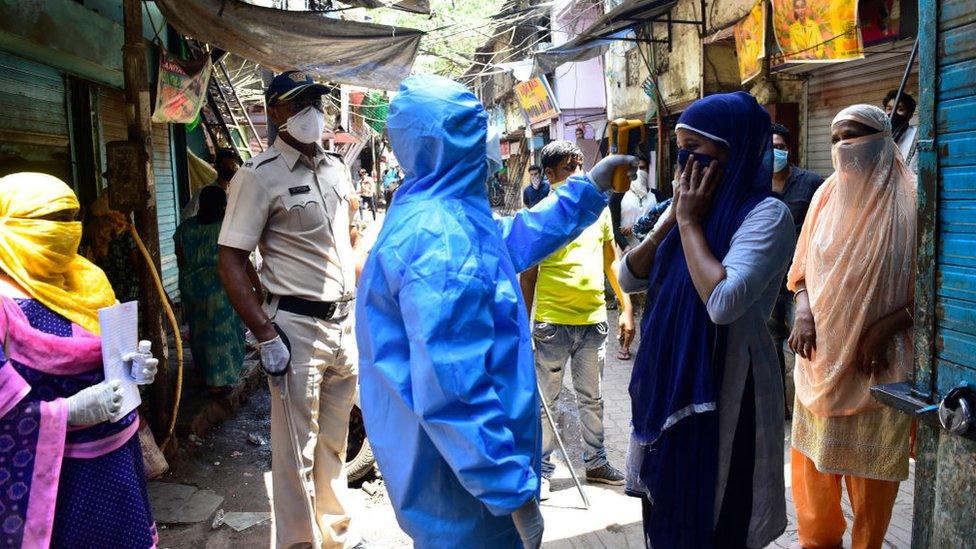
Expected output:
(817, 31)
(750, 42)
(537, 100)
(181, 88)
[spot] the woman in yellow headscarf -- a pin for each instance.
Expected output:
(71, 477)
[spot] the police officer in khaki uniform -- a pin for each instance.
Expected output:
(293, 203)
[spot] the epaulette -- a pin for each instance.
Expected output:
(261, 161)
(337, 155)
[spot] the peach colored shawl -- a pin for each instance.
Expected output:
(856, 258)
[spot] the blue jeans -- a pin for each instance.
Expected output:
(585, 348)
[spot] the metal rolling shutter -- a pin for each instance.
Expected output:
(34, 125)
(955, 139)
(834, 87)
(167, 207)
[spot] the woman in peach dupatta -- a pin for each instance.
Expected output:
(853, 274)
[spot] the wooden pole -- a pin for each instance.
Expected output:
(138, 111)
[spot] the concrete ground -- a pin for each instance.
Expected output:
(231, 465)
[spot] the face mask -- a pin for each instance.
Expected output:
(898, 120)
(642, 179)
(703, 159)
(60, 241)
(858, 156)
(780, 158)
(306, 126)
(225, 174)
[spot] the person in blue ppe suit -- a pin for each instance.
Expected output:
(447, 380)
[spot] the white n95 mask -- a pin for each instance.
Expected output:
(306, 126)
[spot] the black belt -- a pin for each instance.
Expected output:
(322, 310)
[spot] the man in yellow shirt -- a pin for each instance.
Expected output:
(571, 322)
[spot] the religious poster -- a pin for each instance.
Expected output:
(817, 31)
(537, 100)
(750, 42)
(181, 88)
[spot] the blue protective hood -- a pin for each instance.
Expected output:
(438, 132)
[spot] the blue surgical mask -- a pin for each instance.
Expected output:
(703, 159)
(780, 158)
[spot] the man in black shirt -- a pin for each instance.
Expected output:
(795, 187)
(537, 189)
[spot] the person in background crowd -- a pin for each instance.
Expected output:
(226, 162)
(73, 477)
(537, 189)
(389, 186)
(571, 323)
(706, 455)
(296, 201)
(580, 133)
(795, 187)
(216, 332)
(366, 192)
(448, 389)
(636, 202)
(903, 131)
(110, 246)
(854, 278)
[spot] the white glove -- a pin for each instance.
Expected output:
(602, 173)
(143, 366)
(95, 404)
(275, 356)
(529, 524)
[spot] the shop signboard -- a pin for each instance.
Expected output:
(537, 100)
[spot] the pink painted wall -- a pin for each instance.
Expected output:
(579, 87)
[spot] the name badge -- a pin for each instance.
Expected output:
(299, 190)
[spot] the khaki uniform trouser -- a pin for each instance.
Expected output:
(321, 386)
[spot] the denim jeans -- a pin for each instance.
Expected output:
(585, 348)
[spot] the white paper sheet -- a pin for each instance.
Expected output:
(120, 336)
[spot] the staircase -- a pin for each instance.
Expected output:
(226, 119)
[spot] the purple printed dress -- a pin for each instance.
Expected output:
(62, 486)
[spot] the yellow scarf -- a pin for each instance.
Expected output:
(42, 255)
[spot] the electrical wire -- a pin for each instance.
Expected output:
(151, 265)
(520, 48)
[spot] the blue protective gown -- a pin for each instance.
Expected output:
(447, 379)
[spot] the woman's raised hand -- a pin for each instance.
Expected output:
(694, 188)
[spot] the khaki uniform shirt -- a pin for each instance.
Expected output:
(296, 211)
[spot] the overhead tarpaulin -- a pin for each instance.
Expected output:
(347, 52)
(578, 49)
(617, 24)
(415, 6)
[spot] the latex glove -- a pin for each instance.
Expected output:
(602, 173)
(143, 366)
(95, 404)
(275, 354)
(528, 521)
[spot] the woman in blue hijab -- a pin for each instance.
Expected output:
(706, 453)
